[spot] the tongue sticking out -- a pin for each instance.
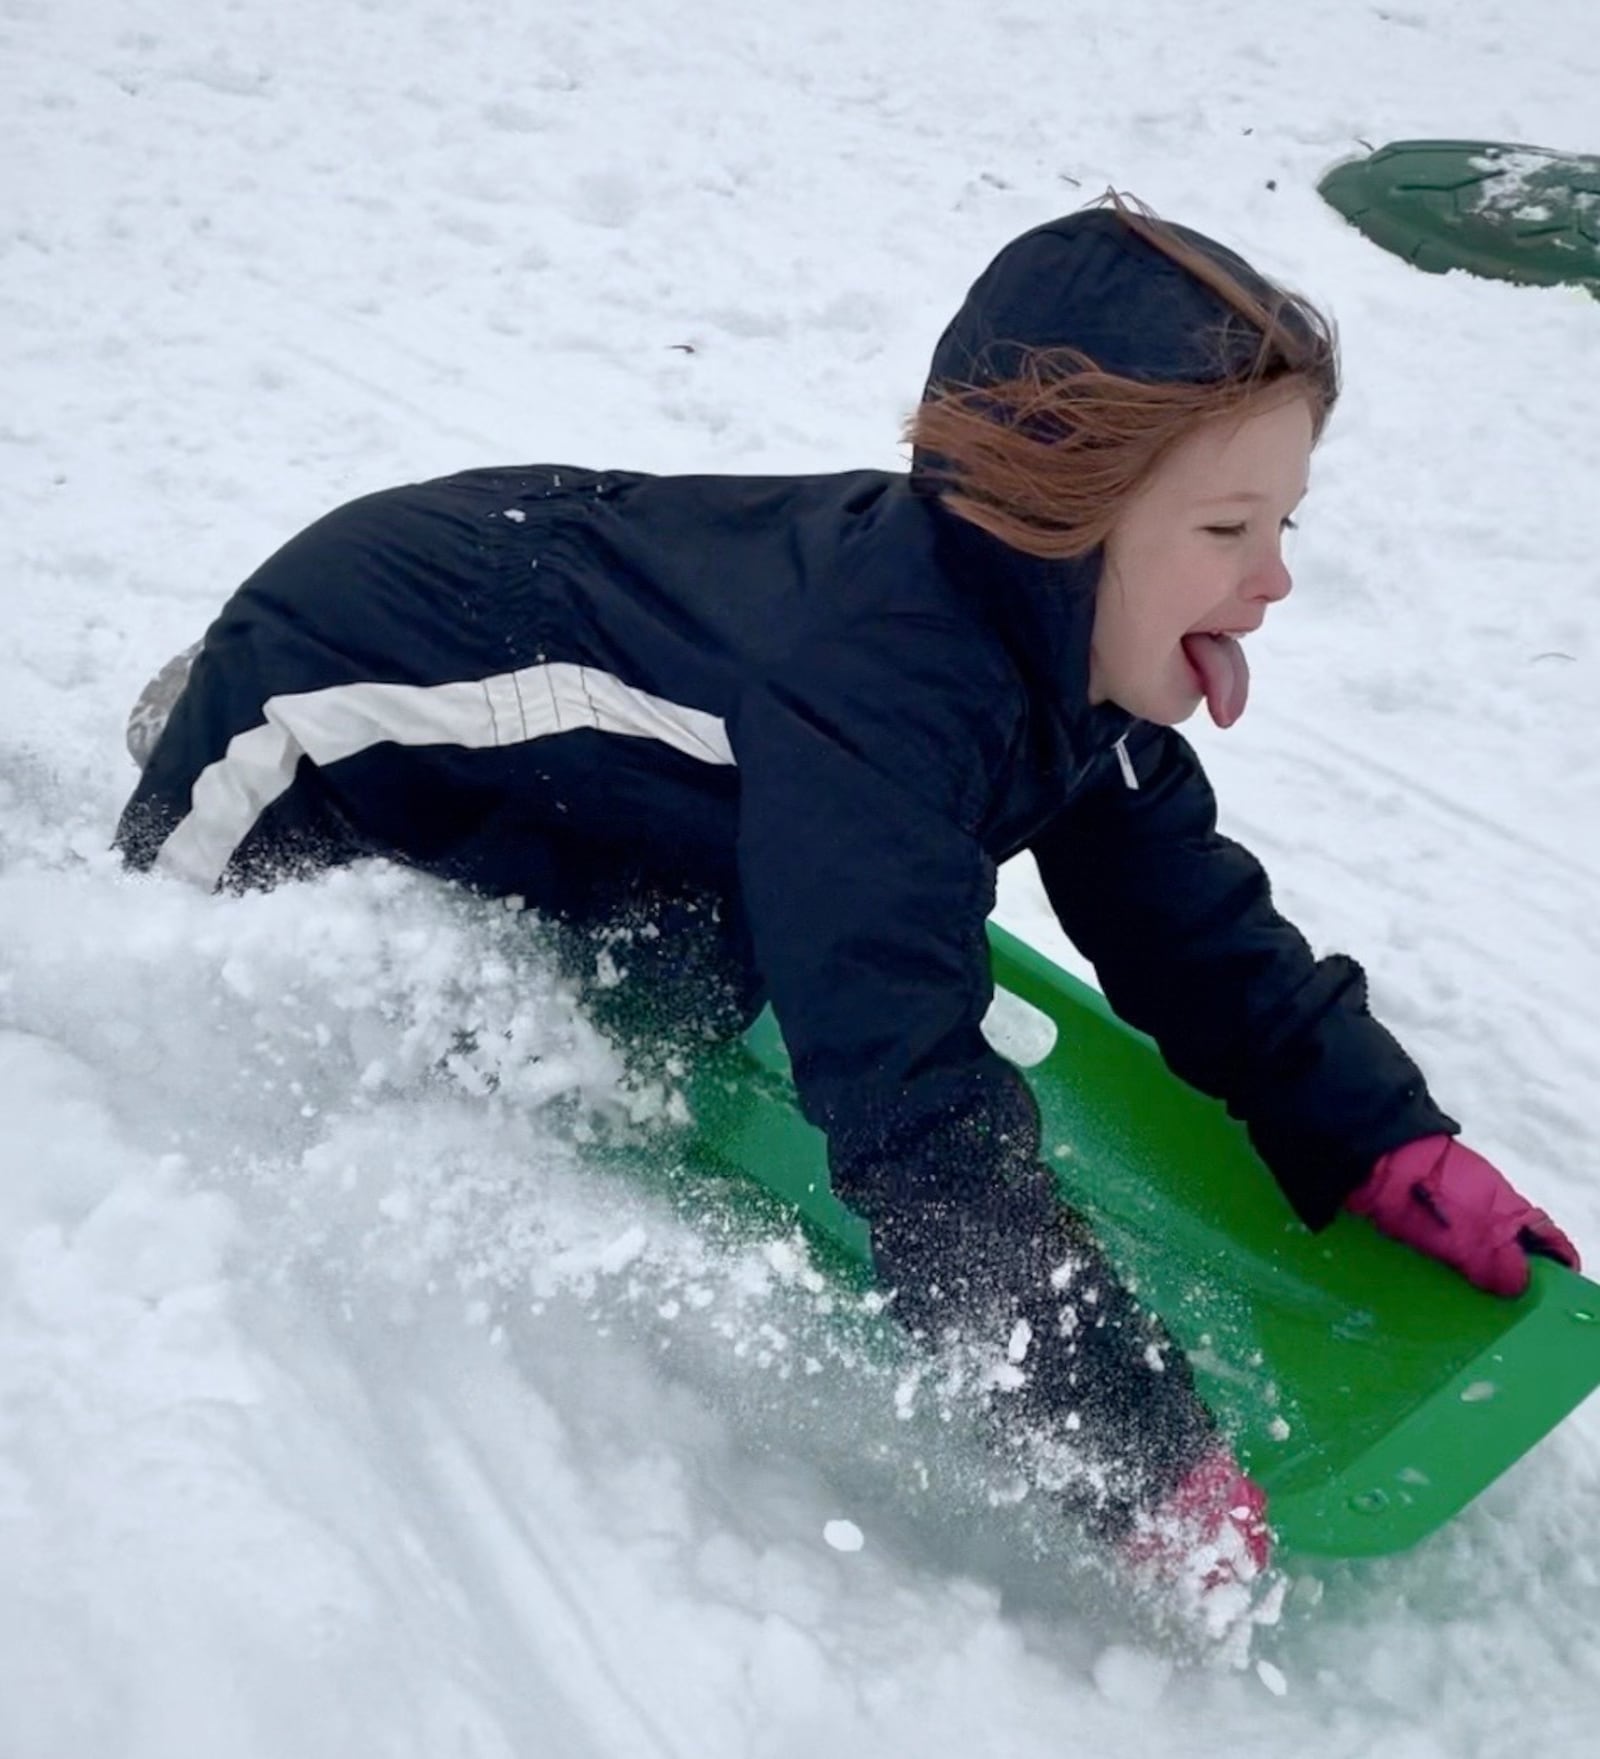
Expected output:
(1224, 674)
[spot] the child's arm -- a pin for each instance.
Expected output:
(1180, 926)
(867, 898)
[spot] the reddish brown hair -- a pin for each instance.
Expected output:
(1047, 460)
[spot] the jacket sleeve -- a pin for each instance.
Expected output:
(1179, 923)
(867, 893)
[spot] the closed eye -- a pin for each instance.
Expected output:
(1240, 529)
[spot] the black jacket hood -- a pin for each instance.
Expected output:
(1088, 281)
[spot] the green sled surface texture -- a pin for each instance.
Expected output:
(1372, 1392)
(1516, 213)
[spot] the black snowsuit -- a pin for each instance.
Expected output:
(820, 711)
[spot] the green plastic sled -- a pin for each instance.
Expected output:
(1515, 213)
(1371, 1391)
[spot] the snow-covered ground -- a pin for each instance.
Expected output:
(345, 1409)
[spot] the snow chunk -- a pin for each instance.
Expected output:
(844, 1536)
(1272, 1678)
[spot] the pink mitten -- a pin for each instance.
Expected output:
(1212, 1528)
(1439, 1197)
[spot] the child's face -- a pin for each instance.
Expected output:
(1198, 552)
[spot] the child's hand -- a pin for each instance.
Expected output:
(1439, 1197)
(1211, 1529)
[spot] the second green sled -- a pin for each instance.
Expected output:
(1372, 1392)
(1515, 213)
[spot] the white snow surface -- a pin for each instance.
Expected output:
(346, 1407)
